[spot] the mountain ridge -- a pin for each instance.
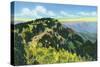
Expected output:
(49, 32)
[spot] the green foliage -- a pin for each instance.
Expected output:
(43, 55)
(19, 51)
(90, 49)
(46, 41)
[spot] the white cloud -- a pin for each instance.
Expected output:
(87, 13)
(37, 12)
(40, 9)
(83, 13)
(51, 13)
(78, 14)
(26, 11)
(66, 14)
(93, 13)
(63, 13)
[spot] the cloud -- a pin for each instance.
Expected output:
(84, 14)
(91, 14)
(26, 11)
(66, 14)
(94, 13)
(40, 9)
(37, 12)
(63, 13)
(51, 13)
(78, 14)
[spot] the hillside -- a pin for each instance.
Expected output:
(53, 41)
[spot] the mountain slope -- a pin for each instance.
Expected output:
(49, 32)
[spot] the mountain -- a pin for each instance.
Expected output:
(49, 32)
(87, 30)
(90, 27)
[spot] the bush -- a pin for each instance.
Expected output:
(50, 55)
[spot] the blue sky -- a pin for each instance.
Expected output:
(30, 10)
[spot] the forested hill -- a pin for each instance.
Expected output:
(49, 32)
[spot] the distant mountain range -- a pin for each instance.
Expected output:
(85, 29)
(89, 27)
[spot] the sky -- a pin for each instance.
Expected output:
(33, 10)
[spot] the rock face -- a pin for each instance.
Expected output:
(50, 32)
